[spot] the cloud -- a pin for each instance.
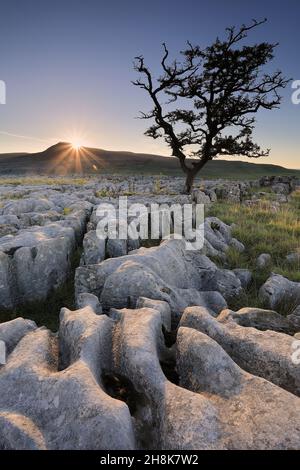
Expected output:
(9, 134)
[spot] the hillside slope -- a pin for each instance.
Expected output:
(62, 159)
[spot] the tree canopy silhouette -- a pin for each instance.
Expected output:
(204, 105)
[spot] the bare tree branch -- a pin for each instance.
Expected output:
(223, 86)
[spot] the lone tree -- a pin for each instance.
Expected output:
(204, 104)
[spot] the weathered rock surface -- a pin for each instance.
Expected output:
(27, 205)
(218, 238)
(263, 261)
(261, 319)
(294, 318)
(252, 412)
(162, 307)
(204, 363)
(293, 258)
(232, 191)
(9, 225)
(278, 291)
(267, 354)
(17, 432)
(33, 263)
(281, 188)
(85, 300)
(200, 197)
(126, 356)
(12, 332)
(244, 275)
(93, 249)
(168, 272)
(91, 419)
(280, 183)
(115, 377)
(35, 256)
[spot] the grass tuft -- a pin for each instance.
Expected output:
(262, 230)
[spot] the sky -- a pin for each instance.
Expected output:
(67, 66)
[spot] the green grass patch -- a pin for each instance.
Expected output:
(262, 230)
(105, 193)
(67, 211)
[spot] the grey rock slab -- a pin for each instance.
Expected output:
(199, 197)
(161, 306)
(281, 188)
(279, 291)
(34, 236)
(93, 249)
(17, 432)
(115, 248)
(6, 282)
(69, 408)
(294, 318)
(244, 275)
(41, 269)
(39, 218)
(253, 413)
(169, 417)
(263, 261)
(10, 220)
(34, 262)
(27, 205)
(85, 299)
(267, 354)
(293, 258)
(12, 332)
(261, 319)
(165, 273)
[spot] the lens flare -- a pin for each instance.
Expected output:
(76, 145)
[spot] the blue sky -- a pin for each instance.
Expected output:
(68, 66)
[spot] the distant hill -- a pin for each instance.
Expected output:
(63, 159)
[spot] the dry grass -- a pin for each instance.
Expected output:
(262, 230)
(41, 180)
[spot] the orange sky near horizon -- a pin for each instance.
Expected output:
(280, 155)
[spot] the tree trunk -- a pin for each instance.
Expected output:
(190, 176)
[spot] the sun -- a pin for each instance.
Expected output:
(76, 145)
